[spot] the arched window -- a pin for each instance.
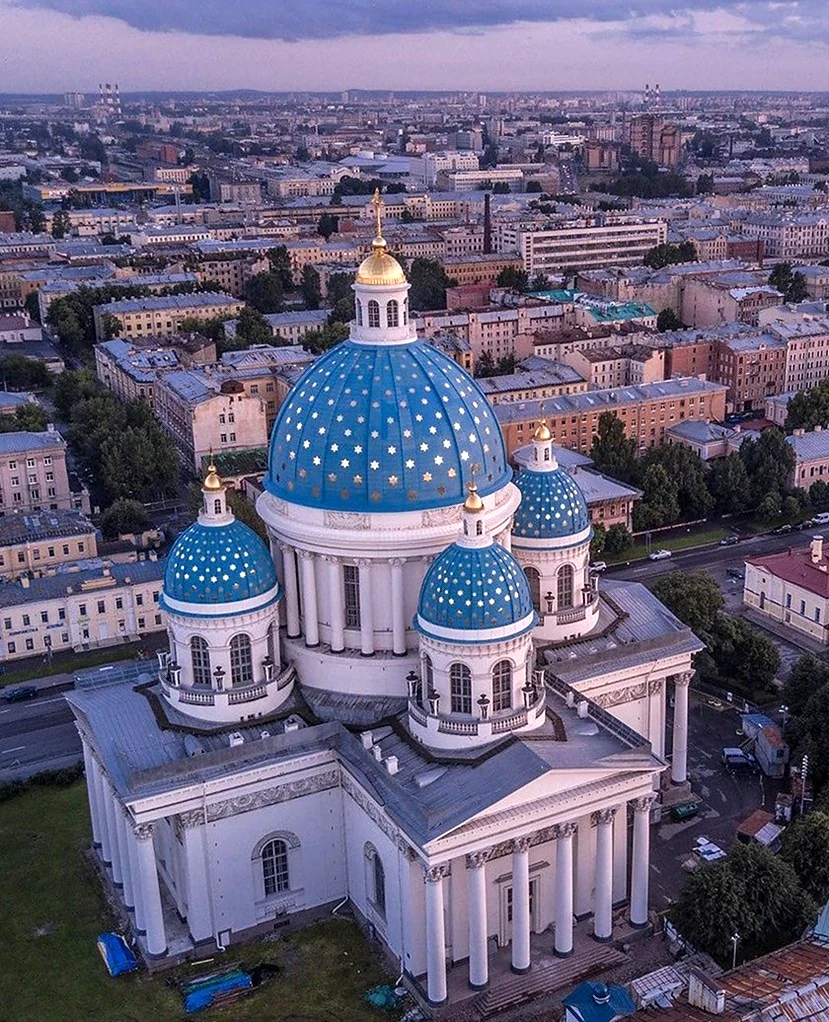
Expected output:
(460, 686)
(359, 309)
(375, 879)
(565, 586)
(241, 661)
(200, 658)
(275, 874)
(373, 313)
(502, 686)
(217, 506)
(534, 581)
(392, 313)
(405, 311)
(479, 528)
(351, 595)
(546, 453)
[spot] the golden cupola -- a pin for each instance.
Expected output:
(380, 268)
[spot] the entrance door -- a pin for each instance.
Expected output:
(505, 931)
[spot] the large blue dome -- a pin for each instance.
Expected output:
(552, 506)
(475, 589)
(384, 427)
(215, 564)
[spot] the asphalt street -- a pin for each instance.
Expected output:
(37, 735)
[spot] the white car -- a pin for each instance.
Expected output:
(597, 567)
(659, 555)
(821, 519)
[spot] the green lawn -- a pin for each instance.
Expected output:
(71, 663)
(52, 911)
(676, 541)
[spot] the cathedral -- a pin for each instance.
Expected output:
(416, 701)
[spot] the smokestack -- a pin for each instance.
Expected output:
(816, 549)
(487, 225)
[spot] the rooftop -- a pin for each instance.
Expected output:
(55, 587)
(21, 443)
(797, 568)
(810, 446)
(158, 302)
(17, 528)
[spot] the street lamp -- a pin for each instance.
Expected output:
(735, 940)
(804, 773)
(784, 713)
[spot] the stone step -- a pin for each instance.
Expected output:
(546, 976)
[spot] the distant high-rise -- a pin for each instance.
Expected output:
(75, 100)
(110, 99)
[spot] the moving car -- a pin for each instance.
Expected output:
(659, 555)
(729, 540)
(821, 519)
(597, 567)
(20, 694)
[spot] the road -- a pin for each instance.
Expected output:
(37, 735)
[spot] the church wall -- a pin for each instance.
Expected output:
(620, 855)
(351, 673)
(414, 920)
(457, 902)
(316, 866)
(584, 857)
(169, 857)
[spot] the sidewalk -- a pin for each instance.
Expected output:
(787, 635)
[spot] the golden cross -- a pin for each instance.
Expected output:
(377, 202)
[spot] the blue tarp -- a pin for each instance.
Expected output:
(203, 994)
(598, 1002)
(116, 954)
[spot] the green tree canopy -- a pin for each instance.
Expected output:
(612, 452)
(318, 341)
(597, 543)
(666, 254)
(253, 328)
(327, 225)
(791, 284)
(340, 298)
(618, 540)
(806, 850)
(809, 408)
(513, 278)
(20, 373)
(29, 418)
(124, 517)
(310, 287)
(280, 262)
(696, 599)
(729, 485)
(264, 292)
(668, 320)
(769, 462)
(428, 282)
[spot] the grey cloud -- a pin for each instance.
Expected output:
(293, 20)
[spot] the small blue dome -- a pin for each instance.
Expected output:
(474, 589)
(552, 506)
(384, 427)
(213, 564)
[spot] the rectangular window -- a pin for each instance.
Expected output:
(141, 622)
(65, 549)
(7, 622)
(30, 644)
(139, 600)
(61, 614)
(44, 617)
(12, 648)
(26, 621)
(82, 610)
(351, 592)
(101, 607)
(81, 547)
(803, 607)
(51, 551)
(119, 603)
(156, 593)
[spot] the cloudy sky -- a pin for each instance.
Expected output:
(57, 45)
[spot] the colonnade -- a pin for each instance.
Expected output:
(304, 572)
(435, 877)
(128, 852)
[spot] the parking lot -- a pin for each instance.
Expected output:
(727, 799)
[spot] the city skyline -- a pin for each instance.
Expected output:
(526, 47)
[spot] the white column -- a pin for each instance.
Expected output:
(603, 885)
(366, 610)
(640, 865)
(291, 594)
(197, 881)
(679, 764)
(398, 609)
(92, 795)
(521, 905)
(435, 935)
(335, 596)
(135, 873)
(106, 841)
(478, 957)
(112, 828)
(124, 855)
(620, 856)
(564, 889)
(150, 893)
(309, 599)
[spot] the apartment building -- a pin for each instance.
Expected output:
(435, 164)
(290, 326)
(722, 300)
(752, 368)
(788, 236)
(38, 543)
(619, 365)
(549, 381)
(162, 316)
(130, 368)
(230, 271)
(466, 240)
(206, 410)
(811, 452)
(474, 180)
(499, 330)
(481, 268)
(79, 610)
(646, 412)
(33, 475)
(579, 248)
(807, 349)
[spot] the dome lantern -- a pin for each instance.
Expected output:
(543, 457)
(214, 506)
(381, 294)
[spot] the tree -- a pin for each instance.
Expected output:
(310, 287)
(514, 278)
(213, 328)
(489, 157)
(253, 328)
(619, 539)
(705, 184)
(501, 188)
(792, 285)
(341, 298)
(200, 183)
(666, 254)
(264, 292)
(819, 495)
(245, 512)
(806, 849)
(769, 462)
(612, 452)
(72, 387)
(808, 674)
(534, 186)
(28, 418)
(280, 262)
(60, 223)
(687, 481)
(428, 282)
(751, 892)
(668, 320)
(20, 373)
(540, 282)
(32, 306)
(327, 225)
(809, 408)
(124, 517)
(695, 598)
(597, 543)
(660, 504)
(318, 341)
(729, 485)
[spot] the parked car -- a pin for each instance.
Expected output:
(684, 811)
(736, 573)
(734, 759)
(821, 519)
(20, 694)
(659, 555)
(729, 540)
(597, 567)
(781, 529)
